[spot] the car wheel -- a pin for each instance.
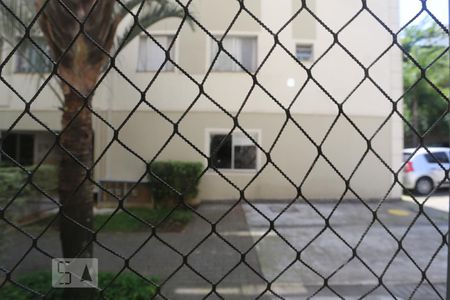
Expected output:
(424, 186)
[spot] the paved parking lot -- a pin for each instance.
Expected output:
(438, 201)
(330, 251)
(270, 253)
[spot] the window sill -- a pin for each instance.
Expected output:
(232, 171)
(231, 72)
(31, 73)
(154, 71)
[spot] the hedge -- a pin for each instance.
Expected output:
(128, 286)
(13, 178)
(180, 175)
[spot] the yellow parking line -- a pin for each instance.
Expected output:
(399, 212)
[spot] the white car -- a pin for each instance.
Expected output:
(422, 172)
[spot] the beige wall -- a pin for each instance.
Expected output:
(336, 72)
(23, 121)
(174, 92)
(146, 134)
(304, 24)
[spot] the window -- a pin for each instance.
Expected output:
(31, 60)
(243, 49)
(151, 56)
(304, 52)
(19, 147)
(120, 189)
(236, 151)
(440, 156)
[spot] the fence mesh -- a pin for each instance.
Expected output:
(184, 256)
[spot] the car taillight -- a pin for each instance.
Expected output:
(409, 167)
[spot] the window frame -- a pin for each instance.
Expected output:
(218, 35)
(212, 131)
(156, 34)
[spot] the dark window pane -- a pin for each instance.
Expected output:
(220, 152)
(9, 148)
(19, 147)
(26, 149)
(440, 156)
(245, 157)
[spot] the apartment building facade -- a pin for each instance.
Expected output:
(290, 95)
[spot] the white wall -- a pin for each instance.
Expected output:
(294, 154)
(173, 92)
(336, 72)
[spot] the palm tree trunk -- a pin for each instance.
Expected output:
(76, 199)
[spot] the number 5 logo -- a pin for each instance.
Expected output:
(65, 277)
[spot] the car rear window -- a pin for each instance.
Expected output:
(438, 156)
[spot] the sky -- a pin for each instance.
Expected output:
(408, 8)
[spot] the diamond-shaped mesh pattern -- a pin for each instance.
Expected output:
(282, 258)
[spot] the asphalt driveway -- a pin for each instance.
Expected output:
(328, 252)
(289, 247)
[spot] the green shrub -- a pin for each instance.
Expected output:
(46, 177)
(166, 218)
(180, 175)
(122, 221)
(13, 178)
(128, 286)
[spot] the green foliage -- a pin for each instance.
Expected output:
(128, 286)
(12, 179)
(426, 43)
(46, 177)
(122, 221)
(181, 176)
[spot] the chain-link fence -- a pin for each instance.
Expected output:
(286, 118)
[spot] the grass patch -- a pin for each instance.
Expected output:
(128, 286)
(124, 222)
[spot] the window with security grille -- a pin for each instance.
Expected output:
(19, 147)
(152, 53)
(32, 59)
(235, 151)
(304, 52)
(241, 48)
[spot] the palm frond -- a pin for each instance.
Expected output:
(151, 12)
(15, 17)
